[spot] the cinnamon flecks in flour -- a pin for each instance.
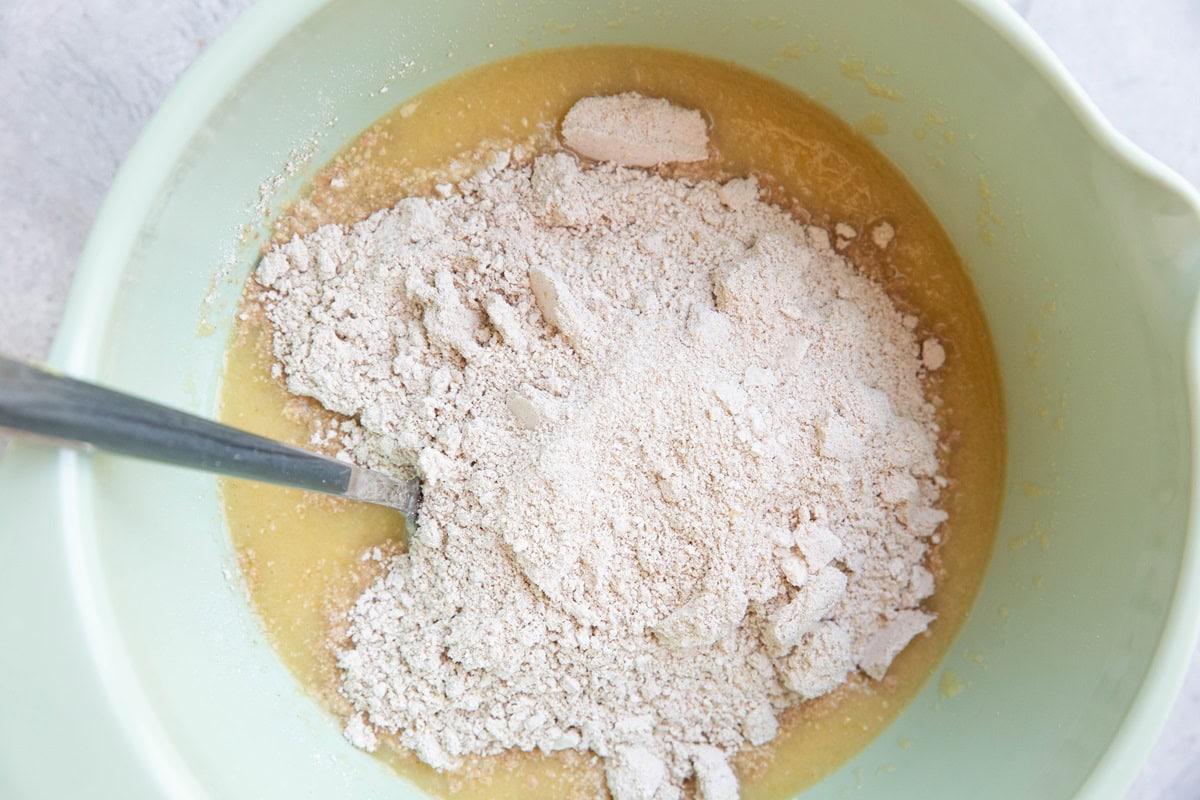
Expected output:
(679, 470)
(635, 131)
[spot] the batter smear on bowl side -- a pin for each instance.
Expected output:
(679, 469)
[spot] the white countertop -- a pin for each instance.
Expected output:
(80, 78)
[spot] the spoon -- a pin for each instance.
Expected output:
(69, 412)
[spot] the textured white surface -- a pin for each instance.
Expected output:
(80, 78)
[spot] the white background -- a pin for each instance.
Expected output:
(79, 80)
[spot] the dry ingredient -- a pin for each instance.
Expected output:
(635, 131)
(679, 469)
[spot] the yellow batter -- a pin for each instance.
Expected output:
(301, 553)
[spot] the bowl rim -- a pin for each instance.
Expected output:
(205, 84)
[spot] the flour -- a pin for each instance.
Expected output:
(635, 131)
(679, 471)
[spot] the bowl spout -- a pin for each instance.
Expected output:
(1160, 212)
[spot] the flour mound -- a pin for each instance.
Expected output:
(679, 471)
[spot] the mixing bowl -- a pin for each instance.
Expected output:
(132, 665)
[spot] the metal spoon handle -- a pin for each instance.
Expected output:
(34, 401)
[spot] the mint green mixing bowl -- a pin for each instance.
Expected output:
(131, 664)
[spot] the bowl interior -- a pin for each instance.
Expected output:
(1085, 264)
